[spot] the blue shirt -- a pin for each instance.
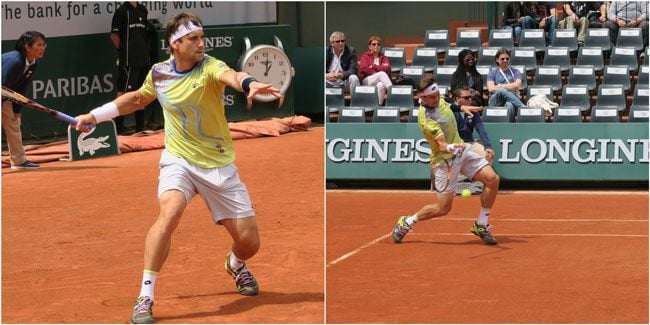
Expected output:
(503, 77)
(467, 124)
(14, 75)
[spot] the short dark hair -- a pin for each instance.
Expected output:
(176, 21)
(28, 38)
(500, 51)
(462, 88)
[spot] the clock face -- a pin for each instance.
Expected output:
(268, 64)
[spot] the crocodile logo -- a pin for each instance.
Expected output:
(91, 145)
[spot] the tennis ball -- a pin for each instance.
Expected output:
(466, 193)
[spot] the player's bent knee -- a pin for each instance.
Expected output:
(443, 211)
(168, 222)
(251, 242)
(488, 177)
(492, 179)
(247, 247)
(248, 240)
(434, 210)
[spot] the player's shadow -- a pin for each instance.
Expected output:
(244, 304)
(501, 240)
(495, 249)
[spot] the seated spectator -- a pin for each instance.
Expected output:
(468, 118)
(548, 19)
(577, 15)
(598, 18)
(627, 14)
(466, 75)
(374, 68)
(517, 16)
(503, 82)
(341, 64)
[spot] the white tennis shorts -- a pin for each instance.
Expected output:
(468, 164)
(221, 189)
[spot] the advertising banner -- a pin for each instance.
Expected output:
(525, 151)
(69, 18)
(79, 69)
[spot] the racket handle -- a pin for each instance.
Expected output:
(457, 151)
(69, 119)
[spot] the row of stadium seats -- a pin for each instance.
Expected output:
(587, 77)
(497, 114)
(551, 74)
(595, 37)
(426, 58)
(572, 94)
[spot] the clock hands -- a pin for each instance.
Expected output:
(268, 65)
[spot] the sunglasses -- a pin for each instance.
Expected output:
(375, 44)
(469, 59)
(339, 41)
(504, 59)
(465, 97)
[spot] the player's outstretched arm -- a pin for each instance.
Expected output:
(260, 88)
(123, 105)
(243, 82)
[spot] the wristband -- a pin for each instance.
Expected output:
(246, 84)
(105, 112)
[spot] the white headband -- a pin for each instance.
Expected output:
(430, 90)
(184, 30)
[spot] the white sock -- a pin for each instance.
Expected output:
(412, 219)
(235, 262)
(483, 217)
(148, 283)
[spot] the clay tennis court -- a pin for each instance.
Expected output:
(73, 238)
(566, 257)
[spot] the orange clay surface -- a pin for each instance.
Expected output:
(73, 237)
(577, 257)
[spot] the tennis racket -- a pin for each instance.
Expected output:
(441, 180)
(24, 101)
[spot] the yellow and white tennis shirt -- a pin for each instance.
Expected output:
(193, 105)
(438, 122)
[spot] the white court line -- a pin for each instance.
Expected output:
(427, 192)
(366, 245)
(534, 235)
(549, 220)
(567, 192)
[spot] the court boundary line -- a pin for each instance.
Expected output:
(547, 220)
(531, 235)
(536, 192)
(362, 247)
(376, 240)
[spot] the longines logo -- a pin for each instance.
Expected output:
(552, 151)
(210, 42)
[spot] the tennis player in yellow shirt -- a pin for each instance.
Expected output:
(199, 154)
(449, 157)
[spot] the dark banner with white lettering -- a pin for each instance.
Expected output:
(79, 73)
(528, 151)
